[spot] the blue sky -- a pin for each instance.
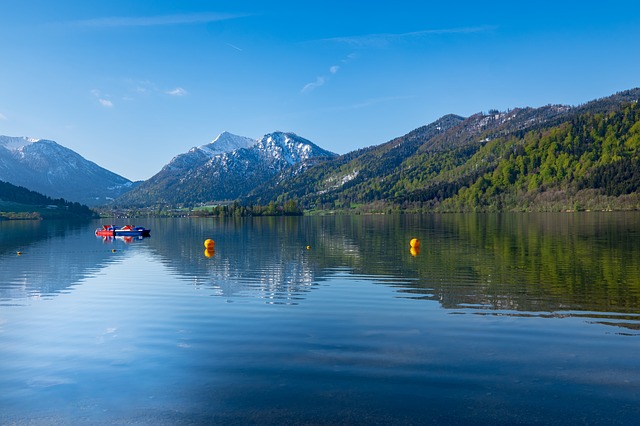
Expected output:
(131, 84)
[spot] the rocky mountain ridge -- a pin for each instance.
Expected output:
(222, 171)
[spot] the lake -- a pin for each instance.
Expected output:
(498, 319)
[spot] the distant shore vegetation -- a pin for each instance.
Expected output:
(231, 209)
(289, 208)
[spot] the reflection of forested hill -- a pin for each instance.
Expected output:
(524, 262)
(547, 262)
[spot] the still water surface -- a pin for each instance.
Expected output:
(499, 319)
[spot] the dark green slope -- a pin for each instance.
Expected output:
(17, 202)
(592, 161)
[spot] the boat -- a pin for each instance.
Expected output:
(125, 231)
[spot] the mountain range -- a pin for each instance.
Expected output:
(224, 170)
(49, 168)
(552, 157)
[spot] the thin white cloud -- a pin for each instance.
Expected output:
(148, 21)
(235, 47)
(101, 99)
(178, 91)
(320, 81)
(387, 39)
(3, 117)
(130, 90)
(141, 86)
(309, 87)
(350, 57)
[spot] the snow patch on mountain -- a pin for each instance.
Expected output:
(289, 147)
(225, 142)
(336, 182)
(15, 143)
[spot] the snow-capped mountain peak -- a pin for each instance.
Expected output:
(227, 168)
(226, 142)
(290, 147)
(223, 144)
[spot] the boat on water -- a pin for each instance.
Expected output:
(125, 231)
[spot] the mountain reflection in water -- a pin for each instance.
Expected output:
(507, 263)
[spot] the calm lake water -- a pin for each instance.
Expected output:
(499, 319)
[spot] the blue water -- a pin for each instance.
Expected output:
(516, 319)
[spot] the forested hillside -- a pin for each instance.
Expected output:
(536, 159)
(591, 161)
(17, 202)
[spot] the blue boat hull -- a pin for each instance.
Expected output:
(135, 232)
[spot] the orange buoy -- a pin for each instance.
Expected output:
(209, 252)
(414, 251)
(415, 243)
(209, 244)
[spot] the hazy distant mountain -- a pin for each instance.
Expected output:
(225, 169)
(44, 166)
